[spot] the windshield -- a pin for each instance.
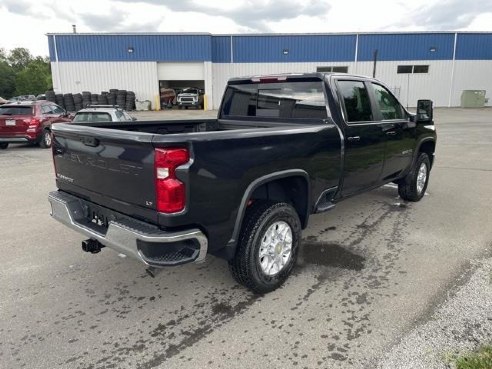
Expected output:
(92, 117)
(287, 100)
(15, 110)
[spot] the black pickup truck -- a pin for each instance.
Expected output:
(242, 186)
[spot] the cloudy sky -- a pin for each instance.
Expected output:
(24, 23)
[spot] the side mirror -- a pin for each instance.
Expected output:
(425, 111)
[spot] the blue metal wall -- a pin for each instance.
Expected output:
(474, 46)
(308, 48)
(406, 46)
(270, 48)
(80, 47)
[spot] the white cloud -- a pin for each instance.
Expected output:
(24, 23)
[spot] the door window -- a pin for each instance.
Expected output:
(57, 109)
(356, 101)
(46, 110)
(388, 105)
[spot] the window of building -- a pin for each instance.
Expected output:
(356, 101)
(336, 69)
(408, 69)
(420, 69)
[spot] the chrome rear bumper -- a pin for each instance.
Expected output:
(129, 236)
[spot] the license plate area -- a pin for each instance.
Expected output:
(10, 122)
(98, 217)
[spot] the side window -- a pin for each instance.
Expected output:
(119, 115)
(57, 109)
(46, 109)
(388, 105)
(356, 101)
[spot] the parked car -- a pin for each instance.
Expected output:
(29, 121)
(190, 97)
(168, 97)
(243, 186)
(102, 113)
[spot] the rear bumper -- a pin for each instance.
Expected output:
(139, 240)
(15, 139)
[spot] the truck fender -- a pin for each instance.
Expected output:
(257, 183)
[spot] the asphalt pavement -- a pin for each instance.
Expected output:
(371, 273)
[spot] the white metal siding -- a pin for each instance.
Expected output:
(472, 75)
(140, 77)
(180, 71)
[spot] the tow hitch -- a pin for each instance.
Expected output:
(91, 245)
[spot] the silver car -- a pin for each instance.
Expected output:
(102, 113)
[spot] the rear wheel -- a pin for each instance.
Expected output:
(268, 246)
(45, 141)
(413, 186)
(4, 145)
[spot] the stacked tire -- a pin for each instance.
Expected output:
(102, 99)
(121, 98)
(94, 99)
(112, 96)
(50, 96)
(86, 98)
(59, 100)
(78, 101)
(69, 103)
(130, 101)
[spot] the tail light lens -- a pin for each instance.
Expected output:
(170, 191)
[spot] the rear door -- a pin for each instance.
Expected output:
(398, 130)
(110, 167)
(364, 138)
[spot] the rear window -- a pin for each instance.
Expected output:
(15, 110)
(92, 117)
(283, 100)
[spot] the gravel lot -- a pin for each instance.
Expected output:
(372, 288)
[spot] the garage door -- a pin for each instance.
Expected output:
(180, 71)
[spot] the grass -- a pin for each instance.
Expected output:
(482, 359)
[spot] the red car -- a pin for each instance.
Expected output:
(29, 121)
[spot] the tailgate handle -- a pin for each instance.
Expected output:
(90, 141)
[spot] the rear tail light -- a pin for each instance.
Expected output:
(170, 191)
(33, 124)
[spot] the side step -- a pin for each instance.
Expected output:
(325, 206)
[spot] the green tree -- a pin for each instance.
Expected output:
(34, 79)
(7, 80)
(19, 58)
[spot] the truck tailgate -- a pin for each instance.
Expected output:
(109, 167)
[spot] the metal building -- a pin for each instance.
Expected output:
(435, 65)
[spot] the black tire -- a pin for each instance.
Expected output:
(246, 265)
(4, 145)
(409, 187)
(45, 140)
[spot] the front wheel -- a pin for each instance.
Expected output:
(413, 186)
(268, 246)
(4, 145)
(45, 141)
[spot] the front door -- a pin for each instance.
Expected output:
(364, 138)
(398, 130)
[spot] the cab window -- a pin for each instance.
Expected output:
(356, 101)
(388, 105)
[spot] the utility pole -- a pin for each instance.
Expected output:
(375, 60)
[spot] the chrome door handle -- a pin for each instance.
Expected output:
(391, 133)
(353, 138)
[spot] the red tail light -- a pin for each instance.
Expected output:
(170, 191)
(34, 122)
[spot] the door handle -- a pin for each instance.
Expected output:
(353, 138)
(391, 133)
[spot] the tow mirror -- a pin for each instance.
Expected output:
(425, 111)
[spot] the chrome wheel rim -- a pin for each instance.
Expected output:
(47, 138)
(276, 248)
(421, 177)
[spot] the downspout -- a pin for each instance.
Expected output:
(356, 51)
(451, 87)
